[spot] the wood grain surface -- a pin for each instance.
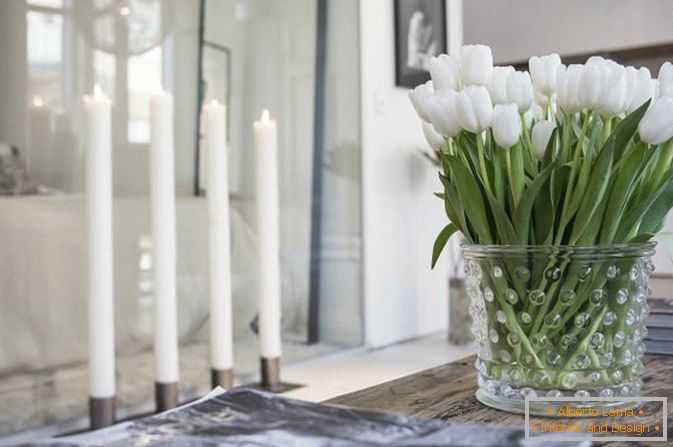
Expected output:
(447, 393)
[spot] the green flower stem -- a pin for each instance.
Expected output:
(448, 145)
(569, 283)
(571, 178)
(549, 111)
(511, 322)
(564, 153)
(554, 290)
(529, 160)
(607, 130)
(582, 346)
(663, 166)
(482, 163)
(597, 364)
(513, 325)
(581, 297)
(508, 161)
(498, 180)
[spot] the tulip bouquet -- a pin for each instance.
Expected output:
(557, 178)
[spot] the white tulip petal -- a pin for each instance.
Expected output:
(419, 97)
(656, 126)
(540, 136)
(543, 71)
(567, 92)
(506, 125)
(476, 63)
(435, 140)
(445, 72)
(665, 78)
(520, 90)
(497, 85)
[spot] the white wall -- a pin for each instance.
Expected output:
(517, 29)
(401, 217)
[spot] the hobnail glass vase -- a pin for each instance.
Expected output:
(558, 321)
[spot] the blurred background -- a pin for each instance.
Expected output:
(354, 253)
(249, 55)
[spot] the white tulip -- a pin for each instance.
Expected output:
(604, 87)
(665, 78)
(642, 88)
(657, 88)
(615, 94)
(656, 127)
(476, 63)
(535, 113)
(541, 99)
(441, 110)
(590, 86)
(520, 90)
(567, 88)
(445, 72)
(435, 140)
(419, 97)
(506, 125)
(497, 85)
(540, 137)
(474, 109)
(543, 72)
(596, 60)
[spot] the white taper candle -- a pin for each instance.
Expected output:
(221, 332)
(162, 198)
(268, 229)
(100, 255)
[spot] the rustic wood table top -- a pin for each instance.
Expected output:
(447, 393)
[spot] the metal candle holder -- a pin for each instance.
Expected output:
(166, 395)
(270, 377)
(222, 377)
(101, 411)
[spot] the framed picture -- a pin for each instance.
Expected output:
(420, 33)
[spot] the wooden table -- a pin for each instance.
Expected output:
(447, 393)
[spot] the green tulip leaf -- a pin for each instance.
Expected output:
(522, 214)
(442, 238)
(473, 200)
(503, 225)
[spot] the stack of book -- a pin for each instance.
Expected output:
(659, 324)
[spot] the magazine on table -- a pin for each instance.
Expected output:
(244, 416)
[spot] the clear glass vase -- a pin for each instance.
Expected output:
(558, 321)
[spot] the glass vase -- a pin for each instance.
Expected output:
(558, 321)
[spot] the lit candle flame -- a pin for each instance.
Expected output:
(214, 102)
(265, 117)
(97, 92)
(37, 101)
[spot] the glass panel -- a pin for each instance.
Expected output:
(46, 3)
(144, 73)
(45, 38)
(131, 49)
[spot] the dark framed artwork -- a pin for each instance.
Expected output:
(420, 33)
